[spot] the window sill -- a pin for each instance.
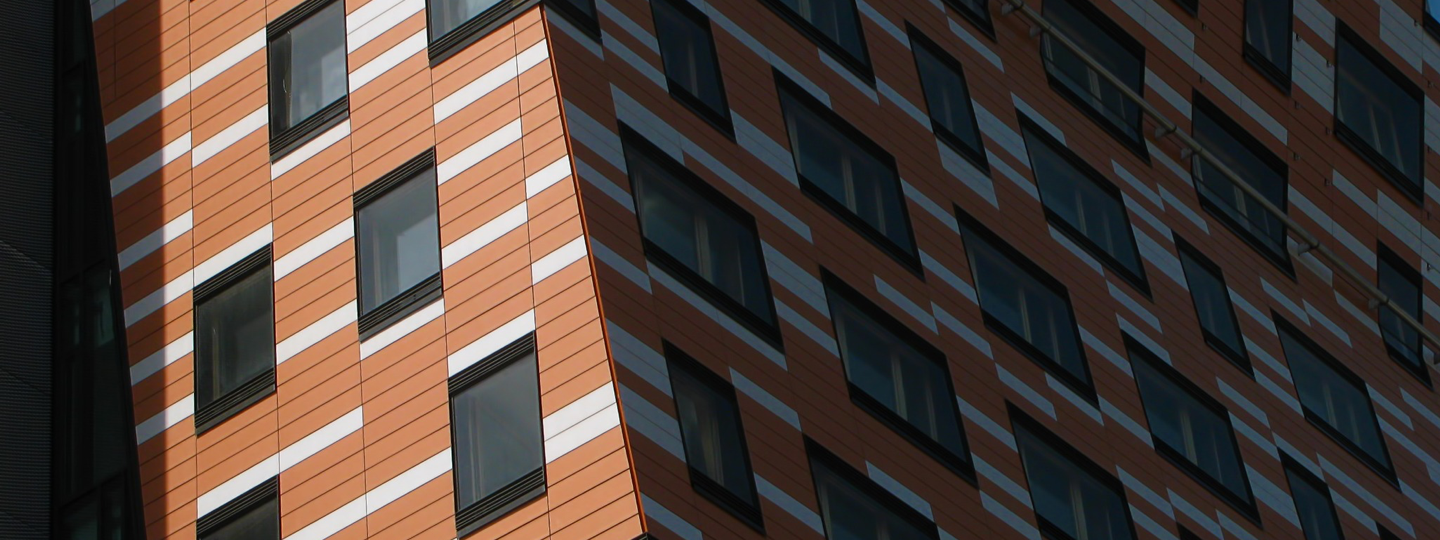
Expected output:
(1136, 145)
(1247, 509)
(860, 67)
(770, 333)
(245, 501)
(396, 309)
(715, 493)
(1081, 387)
(1238, 359)
(956, 464)
(479, 26)
(975, 156)
(281, 144)
(1135, 280)
(719, 120)
(1385, 473)
(1267, 69)
(1281, 262)
(907, 260)
(1382, 166)
(1420, 372)
(216, 412)
(495, 506)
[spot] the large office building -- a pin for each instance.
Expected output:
(741, 269)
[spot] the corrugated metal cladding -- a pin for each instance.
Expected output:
(528, 128)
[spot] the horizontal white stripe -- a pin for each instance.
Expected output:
(378, 17)
(401, 52)
(315, 333)
(251, 123)
(157, 239)
(408, 481)
(558, 260)
(155, 425)
(148, 108)
(332, 523)
(548, 176)
(313, 249)
(479, 238)
(489, 343)
(228, 59)
(233, 254)
(237, 486)
(578, 410)
(585, 431)
(367, 13)
(481, 87)
(158, 299)
(150, 164)
(167, 355)
(469, 157)
(321, 439)
(310, 149)
(403, 328)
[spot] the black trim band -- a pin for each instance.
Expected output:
(252, 262)
(221, 516)
(212, 414)
(496, 360)
(502, 502)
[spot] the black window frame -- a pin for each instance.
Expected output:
(770, 332)
(961, 465)
(816, 452)
(1240, 358)
(708, 488)
(1385, 472)
(441, 47)
(860, 66)
(982, 21)
(1022, 421)
(1131, 45)
(1190, 6)
(263, 384)
(1353, 140)
(284, 142)
(226, 514)
(720, 120)
(1085, 387)
(1244, 503)
(422, 294)
(1257, 60)
(1140, 280)
(909, 260)
(1387, 257)
(1202, 105)
(586, 22)
(919, 41)
(519, 492)
(1294, 470)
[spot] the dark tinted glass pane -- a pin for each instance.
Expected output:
(1092, 89)
(399, 242)
(689, 55)
(1267, 30)
(1378, 110)
(850, 513)
(947, 98)
(1090, 209)
(234, 336)
(259, 522)
(975, 8)
(710, 427)
(445, 15)
(585, 7)
(1067, 496)
(1403, 341)
(1212, 303)
(893, 373)
(836, 19)
(693, 231)
(1312, 503)
(1332, 398)
(1242, 210)
(1199, 434)
(497, 431)
(308, 67)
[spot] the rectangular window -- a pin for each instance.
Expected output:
(495, 422)
(308, 74)
(1312, 503)
(253, 515)
(1378, 112)
(977, 11)
(1191, 429)
(952, 115)
(853, 507)
(1334, 398)
(699, 235)
(692, 69)
(709, 417)
(1212, 305)
(397, 242)
(234, 340)
(832, 24)
(1073, 498)
(1247, 157)
(1114, 50)
(455, 24)
(1083, 204)
(1267, 39)
(1026, 306)
(896, 376)
(1401, 283)
(847, 172)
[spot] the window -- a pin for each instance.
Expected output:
(308, 74)
(833, 24)
(1191, 429)
(852, 507)
(1190, 6)
(1432, 17)
(1334, 398)
(847, 172)
(714, 440)
(1247, 157)
(1267, 39)
(1025, 305)
(1378, 112)
(253, 515)
(1073, 498)
(1084, 205)
(1117, 52)
(397, 236)
(1212, 305)
(703, 238)
(896, 376)
(457, 23)
(495, 422)
(952, 115)
(1401, 283)
(692, 69)
(1312, 503)
(234, 340)
(977, 12)
(579, 11)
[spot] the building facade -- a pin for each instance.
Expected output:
(776, 268)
